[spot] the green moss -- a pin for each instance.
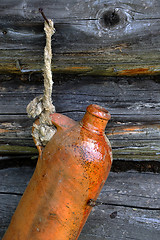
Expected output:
(17, 150)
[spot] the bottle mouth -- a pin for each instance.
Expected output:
(98, 111)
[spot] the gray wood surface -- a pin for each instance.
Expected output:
(133, 104)
(132, 210)
(101, 38)
(92, 37)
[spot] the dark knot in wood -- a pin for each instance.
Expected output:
(110, 18)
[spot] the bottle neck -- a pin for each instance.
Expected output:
(95, 119)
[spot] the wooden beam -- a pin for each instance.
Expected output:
(92, 37)
(133, 103)
(132, 202)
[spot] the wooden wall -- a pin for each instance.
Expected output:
(134, 129)
(131, 193)
(104, 52)
(92, 37)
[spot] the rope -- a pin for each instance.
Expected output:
(42, 106)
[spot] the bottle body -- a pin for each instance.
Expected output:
(71, 170)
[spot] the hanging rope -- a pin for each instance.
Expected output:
(42, 106)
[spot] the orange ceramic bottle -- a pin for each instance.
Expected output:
(71, 170)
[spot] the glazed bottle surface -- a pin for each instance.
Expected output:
(71, 170)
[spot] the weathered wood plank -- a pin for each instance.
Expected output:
(100, 226)
(125, 189)
(92, 37)
(121, 96)
(129, 224)
(134, 130)
(133, 196)
(7, 210)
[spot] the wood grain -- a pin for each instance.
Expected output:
(92, 37)
(133, 196)
(134, 129)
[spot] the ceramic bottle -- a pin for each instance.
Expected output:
(71, 169)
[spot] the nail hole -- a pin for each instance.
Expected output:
(4, 32)
(109, 19)
(113, 215)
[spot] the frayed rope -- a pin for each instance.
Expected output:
(42, 106)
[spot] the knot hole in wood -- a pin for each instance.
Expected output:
(109, 19)
(113, 18)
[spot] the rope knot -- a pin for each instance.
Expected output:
(42, 106)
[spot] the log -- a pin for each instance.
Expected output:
(132, 202)
(132, 102)
(92, 37)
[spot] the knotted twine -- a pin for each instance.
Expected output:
(42, 106)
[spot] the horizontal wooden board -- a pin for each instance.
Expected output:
(129, 189)
(132, 203)
(92, 37)
(132, 224)
(134, 129)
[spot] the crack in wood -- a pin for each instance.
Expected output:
(11, 193)
(98, 203)
(127, 206)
